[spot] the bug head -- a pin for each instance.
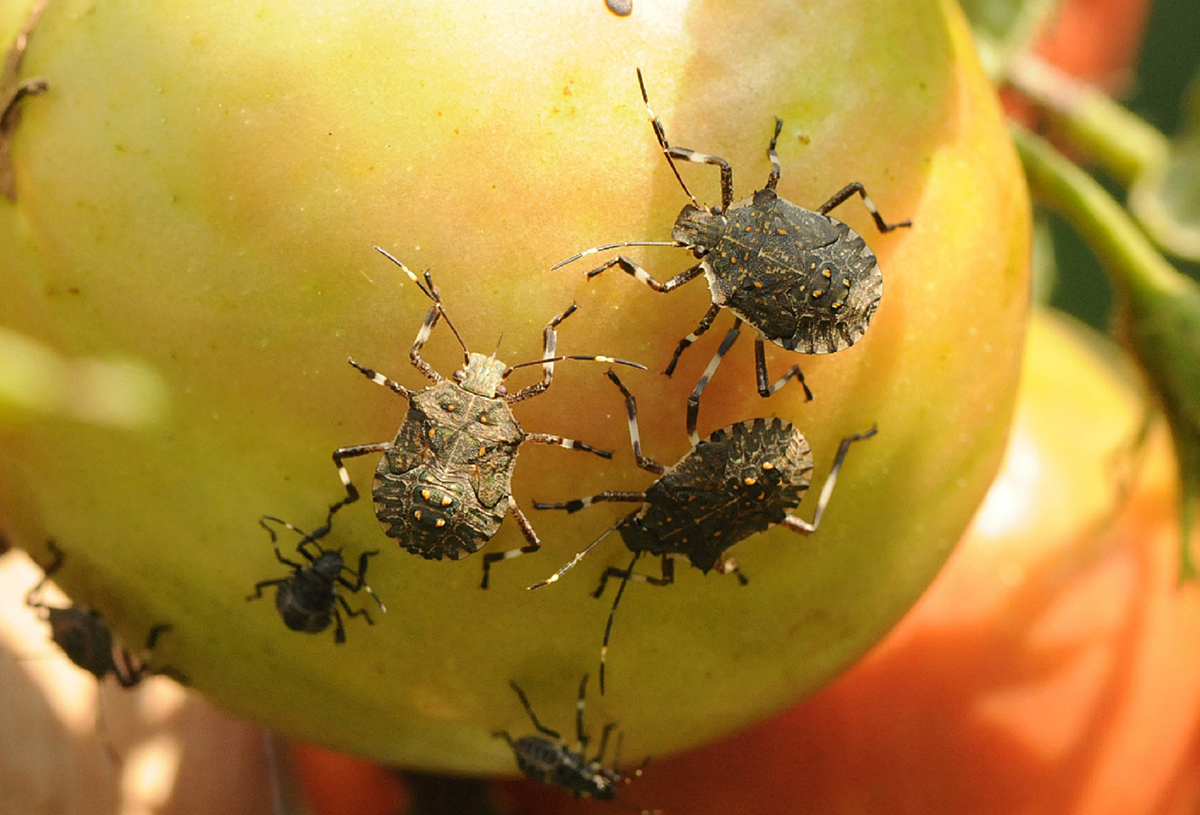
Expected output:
(328, 564)
(482, 375)
(699, 228)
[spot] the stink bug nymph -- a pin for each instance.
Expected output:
(84, 636)
(552, 761)
(802, 279)
(444, 485)
(308, 599)
(739, 481)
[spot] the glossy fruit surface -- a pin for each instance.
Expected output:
(197, 197)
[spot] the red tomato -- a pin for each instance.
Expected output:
(1051, 668)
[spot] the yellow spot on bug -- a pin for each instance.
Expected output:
(749, 481)
(802, 288)
(812, 265)
(433, 432)
(817, 293)
(768, 465)
(426, 494)
(733, 260)
(447, 500)
(757, 284)
(483, 451)
(780, 231)
(417, 514)
(846, 282)
(826, 273)
(440, 523)
(483, 418)
(837, 304)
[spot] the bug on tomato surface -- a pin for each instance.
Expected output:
(308, 598)
(444, 484)
(548, 758)
(741, 480)
(800, 278)
(83, 634)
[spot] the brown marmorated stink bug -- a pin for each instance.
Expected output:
(444, 484)
(84, 636)
(555, 763)
(739, 481)
(307, 599)
(802, 279)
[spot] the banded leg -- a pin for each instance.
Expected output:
(526, 529)
(799, 525)
(705, 323)
(353, 452)
(541, 728)
(731, 565)
(693, 402)
(580, 503)
(776, 169)
(360, 581)
(629, 267)
(549, 347)
(437, 311)
(668, 577)
(635, 436)
(380, 379)
(849, 190)
(569, 444)
(760, 370)
(275, 540)
(580, 735)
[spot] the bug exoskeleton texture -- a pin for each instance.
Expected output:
(741, 480)
(309, 597)
(800, 278)
(548, 758)
(444, 485)
(84, 636)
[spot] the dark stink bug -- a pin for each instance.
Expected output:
(739, 481)
(552, 761)
(84, 636)
(308, 598)
(444, 485)
(802, 279)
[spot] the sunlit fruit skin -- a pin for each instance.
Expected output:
(1049, 668)
(200, 189)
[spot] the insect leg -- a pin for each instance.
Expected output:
(635, 436)
(605, 735)
(362, 612)
(422, 336)
(693, 402)
(549, 347)
(339, 630)
(361, 578)
(705, 323)
(668, 577)
(760, 370)
(380, 379)
(803, 527)
(579, 732)
(260, 585)
(849, 190)
(731, 565)
(156, 632)
(570, 444)
(541, 728)
(641, 274)
(580, 503)
(530, 536)
(128, 671)
(352, 452)
(47, 573)
(776, 169)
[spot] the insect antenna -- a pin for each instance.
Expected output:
(661, 135)
(432, 293)
(571, 563)
(606, 247)
(560, 358)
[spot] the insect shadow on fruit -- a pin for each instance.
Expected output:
(802, 279)
(739, 481)
(548, 758)
(83, 634)
(308, 599)
(444, 485)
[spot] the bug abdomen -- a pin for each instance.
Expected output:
(305, 603)
(433, 514)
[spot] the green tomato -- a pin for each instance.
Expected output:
(197, 197)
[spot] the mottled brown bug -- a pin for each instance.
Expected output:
(84, 636)
(739, 481)
(802, 279)
(444, 484)
(555, 763)
(306, 598)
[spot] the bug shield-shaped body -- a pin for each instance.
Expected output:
(305, 601)
(739, 481)
(542, 760)
(84, 636)
(805, 280)
(441, 490)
